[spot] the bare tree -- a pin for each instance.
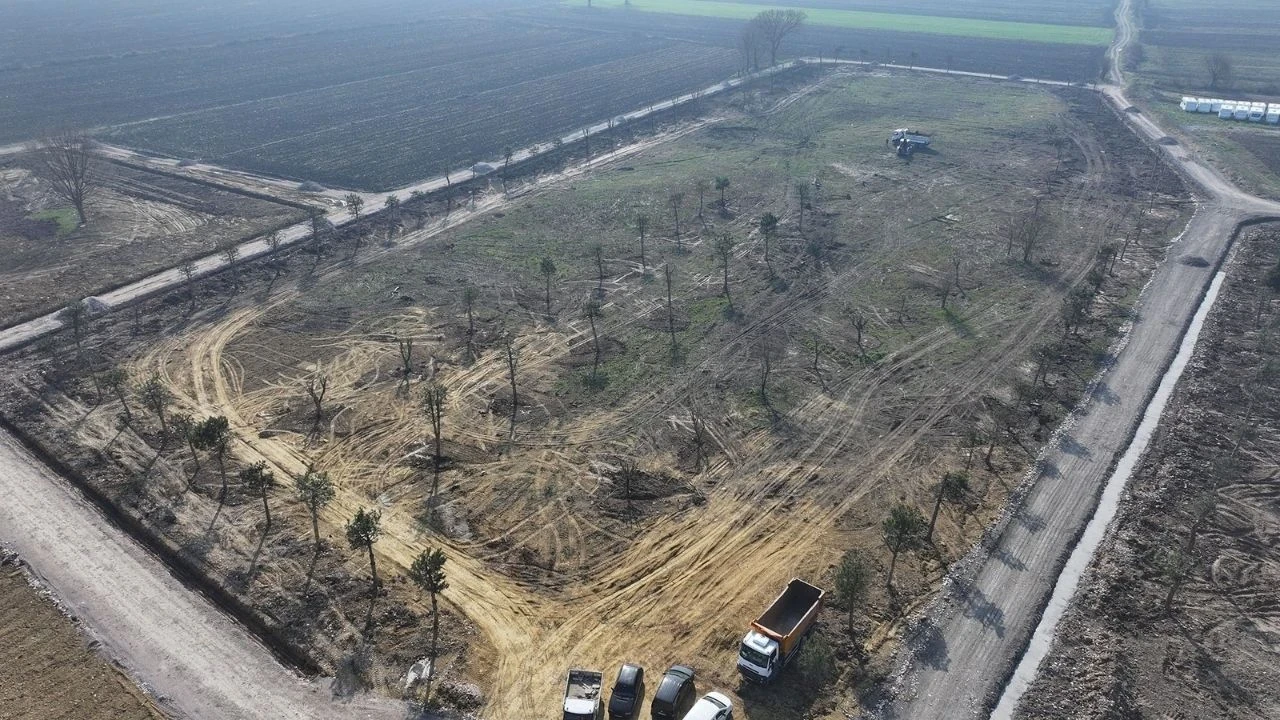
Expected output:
(405, 346)
(74, 317)
(1221, 70)
(433, 396)
(469, 296)
(766, 352)
(592, 312)
(188, 270)
(642, 224)
(701, 438)
(278, 261)
(749, 45)
(65, 162)
(316, 385)
(675, 200)
(230, 253)
(597, 252)
(802, 200)
(859, 322)
(774, 26)
(548, 269)
(671, 313)
(1025, 231)
(724, 251)
(513, 365)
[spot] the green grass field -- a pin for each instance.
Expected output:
(962, 27)
(66, 218)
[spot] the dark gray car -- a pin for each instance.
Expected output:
(628, 693)
(675, 695)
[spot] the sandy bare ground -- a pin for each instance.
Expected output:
(196, 661)
(969, 640)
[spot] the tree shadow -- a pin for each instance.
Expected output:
(929, 646)
(1070, 446)
(352, 673)
(976, 605)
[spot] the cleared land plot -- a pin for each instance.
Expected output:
(1060, 12)
(139, 222)
(49, 669)
(553, 560)
(861, 19)
(384, 132)
(1203, 505)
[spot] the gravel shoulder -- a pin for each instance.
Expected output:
(197, 662)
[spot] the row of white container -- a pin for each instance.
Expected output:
(1234, 109)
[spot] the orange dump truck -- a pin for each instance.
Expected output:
(777, 635)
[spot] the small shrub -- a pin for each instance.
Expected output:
(816, 664)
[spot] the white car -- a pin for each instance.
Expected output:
(712, 706)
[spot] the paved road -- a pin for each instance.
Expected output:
(981, 625)
(198, 662)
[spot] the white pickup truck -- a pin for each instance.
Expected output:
(582, 695)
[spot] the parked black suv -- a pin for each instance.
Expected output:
(675, 695)
(628, 693)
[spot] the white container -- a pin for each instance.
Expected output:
(1273, 114)
(1189, 104)
(1215, 105)
(1228, 111)
(1204, 105)
(1242, 111)
(1256, 112)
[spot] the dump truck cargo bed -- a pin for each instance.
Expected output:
(790, 608)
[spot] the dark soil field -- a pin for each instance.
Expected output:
(1003, 57)
(463, 101)
(50, 670)
(1204, 506)
(139, 222)
(1179, 36)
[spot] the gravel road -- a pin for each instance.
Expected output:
(981, 625)
(195, 660)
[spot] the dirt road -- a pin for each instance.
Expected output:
(980, 626)
(196, 661)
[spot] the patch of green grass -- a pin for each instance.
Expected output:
(67, 219)
(863, 20)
